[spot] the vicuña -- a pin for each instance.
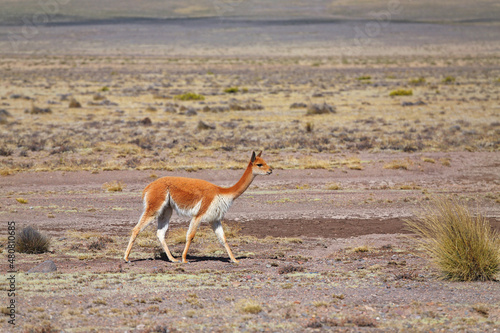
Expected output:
(195, 198)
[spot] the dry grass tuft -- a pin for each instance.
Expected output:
(45, 327)
(114, 186)
(399, 164)
(361, 249)
(249, 306)
(462, 244)
(30, 240)
(334, 187)
(482, 309)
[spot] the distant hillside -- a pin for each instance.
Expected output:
(445, 11)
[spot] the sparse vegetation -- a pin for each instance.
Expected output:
(418, 81)
(190, 96)
(461, 243)
(401, 92)
(30, 240)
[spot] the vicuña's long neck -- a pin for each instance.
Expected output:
(237, 189)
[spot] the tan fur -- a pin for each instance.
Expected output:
(195, 198)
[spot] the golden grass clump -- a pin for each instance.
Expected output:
(113, 186)
(249, 306)
(334, 187)
(30, 240)
(399, 164)
(361, 249)
(461, 243)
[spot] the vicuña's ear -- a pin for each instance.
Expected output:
(259, 154)
(253, 157)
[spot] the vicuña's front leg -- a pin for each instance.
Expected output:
(193, 226)
(217, 228)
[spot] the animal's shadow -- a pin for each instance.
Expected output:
(190, 258)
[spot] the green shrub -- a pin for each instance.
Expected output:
(190, 96)
(462, 244)
(449, 80)
(364, 77)
(30, 240)
(401, 92)
(231, 90)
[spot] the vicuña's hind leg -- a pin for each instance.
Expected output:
(163, 222)
(217, 228)
(144, 221)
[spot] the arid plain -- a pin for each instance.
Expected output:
(358, 143)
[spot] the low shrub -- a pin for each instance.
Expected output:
(401, 92)
(30, 240)
(231, 90)
(449, 80)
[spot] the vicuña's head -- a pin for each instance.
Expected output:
(259, 166)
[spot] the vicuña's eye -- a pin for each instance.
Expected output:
(259, 165)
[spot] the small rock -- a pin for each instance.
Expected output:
(404, 103)
(204, 126)
(74, 103)
(190, 112)
(45, 267)
(5, 113)
(298, 106)
(37, 110)
(320, 109)
(146, 121)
